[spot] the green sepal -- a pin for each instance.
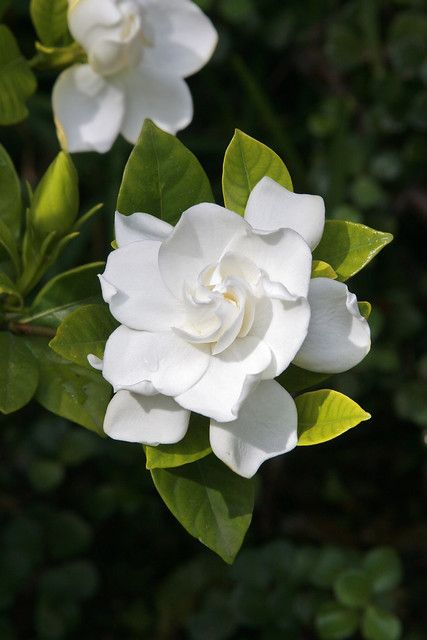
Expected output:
(50, 21)
(17, 81)
(365, 309)
(19, 373)
(10, 298)
(194, 446)
(58, 57)
(87, 216)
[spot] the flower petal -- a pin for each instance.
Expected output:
(199, 239)
(150, 420)
(171, 364)
(140, 226)
(157, 95)
(88, 110)
(338, 336)
(228, 380)
(266, 427)
(271, 206)
(135, 291)
(87, 21)
(182, 38)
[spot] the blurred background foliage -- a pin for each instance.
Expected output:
(87, 550)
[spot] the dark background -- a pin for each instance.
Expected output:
(339, 90)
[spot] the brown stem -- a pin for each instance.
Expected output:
(31, 330)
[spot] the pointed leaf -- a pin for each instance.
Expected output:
(19, 373)
(365, 309)
(50, 21)
(8, 243)
(10, 194)
(378, 624)
(17, 81)
(322, 269)
(9, 295)
(384, 568)
(335, 622)
(194, 446)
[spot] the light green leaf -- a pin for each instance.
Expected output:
(349, 246)
(84, 331)
(294, 379)
(9, 296)
(17, 81)
(65, 293)
(322, 269)
(70, 391)
(384, 568)
(87, 216)
(194, 446)
(162, 177)
(335, 622)
(59, 57)
(211, 502)
(19, 373)
(378, 624)
(326, 414)
(365, 309)
(50, 21)
(246, 162)
(353, 588)
(10, 194)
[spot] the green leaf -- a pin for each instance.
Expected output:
(246, 162)
(84, 331)
(70, 391)
(10, 194)
(9, 296)
(322, 269)
(353, 588)
(295, 379)
(59, 57)
(194, 446)
(18, 373)
(348, 246)
(384, 568)
(50, 21)
(65, 293)
(378, 624)
(87, 216)
(162, 177)
(211, 502)
(17, 81)
(8, 243)
(326, 414)
(335, 622)
(365, 309)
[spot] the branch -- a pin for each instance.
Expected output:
(31, 330)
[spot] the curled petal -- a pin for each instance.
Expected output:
(140, 226)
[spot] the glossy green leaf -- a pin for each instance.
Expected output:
(322, 269)
(82, 332)
(50, 21)
(73, 392)
(353, 588)
(10, 194)
(9, 295)
(162, 177)
(365, 309)
(384, 568)
(17, 81)
(194, 446)
(349, 246)
(378, 624)
(211, 502)
(19, 373)
(295, 379)
(246, 162)
(335, 622)
(326, 414)
(65, 293)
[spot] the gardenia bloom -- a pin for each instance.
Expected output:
(138, 52)
(211, 311)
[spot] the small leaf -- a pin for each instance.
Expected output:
(322, 269)
(335, 622)
(162, 177)
(10, 194)
(348, 246)
(326, 414)
(87, 216)
(353, 588)
(246, 162)
(50, 21)
(384, 568)
(19, 373)
(378, 624)
(295, 379)
(365, 309)
(211, 502)
(8, 243)
(194, 446)
(82, 332)
(17, 81)
(9, 296)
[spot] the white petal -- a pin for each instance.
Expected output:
(150, 420)
(266, 427)
(157, 95)
(338, 336)
(95, 362)
(228, 380)
(87, 20)
(282, 254)
(182, 38)
(199, 239)
(283, 326)
(133, 287)
(171, 364)
(88, 111)
(140, 226)
(271, 206)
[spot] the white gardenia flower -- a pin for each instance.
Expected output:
(211, 311)
(139, 52)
